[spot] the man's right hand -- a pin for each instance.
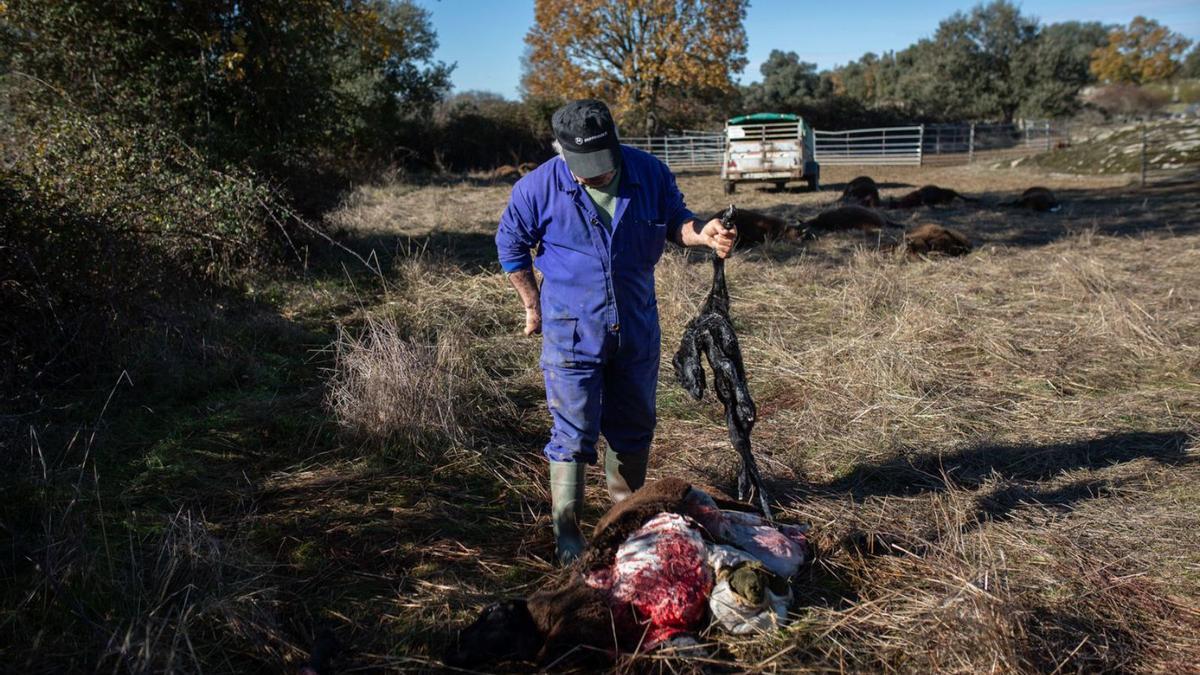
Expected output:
(533, 321)
(526, 285)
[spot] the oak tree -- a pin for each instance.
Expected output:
(634, 53)
(1142, 52)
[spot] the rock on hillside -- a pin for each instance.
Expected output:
(1171, 144)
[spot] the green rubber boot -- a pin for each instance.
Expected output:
(625, 473)
(566, 503)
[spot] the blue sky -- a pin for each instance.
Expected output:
(486, 37)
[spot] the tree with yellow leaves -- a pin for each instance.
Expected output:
(1141, 52)
(634, 53)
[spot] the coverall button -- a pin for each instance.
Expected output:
(616, 327)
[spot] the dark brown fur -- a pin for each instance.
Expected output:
(755, 228)
(505, 172)
(1035, 198)
(929, 195)
(570, 614)
(935, 240)
(846, 218)
(862, 191)
(542, 628)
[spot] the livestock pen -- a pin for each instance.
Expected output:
(914, 145)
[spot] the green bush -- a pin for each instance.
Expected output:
(278, 83)
(110, 232)
(478, 130)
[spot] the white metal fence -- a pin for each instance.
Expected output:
(948, 144)
(884, 145)
(693, 150)
(933, 144)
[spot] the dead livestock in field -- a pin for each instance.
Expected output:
(646, 580)
(711, 333)
(755, 228)
(862, 191)
(934, 240)
(325, 648)
(541, 628)
(525, 167)
(1036, 199)
(505, 172)
(929, 195)
(846, 218)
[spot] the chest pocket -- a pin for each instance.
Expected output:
(641, 241)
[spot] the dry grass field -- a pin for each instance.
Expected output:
(999, 454)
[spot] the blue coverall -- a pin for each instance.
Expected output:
(600, 334)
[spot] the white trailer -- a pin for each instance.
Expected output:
(769, 148)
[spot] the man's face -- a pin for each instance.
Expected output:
(597, 181)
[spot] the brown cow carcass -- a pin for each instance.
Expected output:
(1036, 199)
(931, 240)
(929, 195)
(847, 218)
(754, 228)
(862, 191)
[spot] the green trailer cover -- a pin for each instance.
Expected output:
(764, 118)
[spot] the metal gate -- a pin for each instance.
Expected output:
(883, 145)
(692, 150)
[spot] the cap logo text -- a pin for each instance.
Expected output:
(580, 141)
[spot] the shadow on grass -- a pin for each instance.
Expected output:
(970, 467)
(1088, 643)
(472, 252)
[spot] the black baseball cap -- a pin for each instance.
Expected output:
(588, 137)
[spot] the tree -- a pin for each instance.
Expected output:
(634, 53)
(788, 84)
(482, 130)
(975, 62)
(990, 63)
(268, 81)
(1139, 53)
(1191, 65)
(1057, 67)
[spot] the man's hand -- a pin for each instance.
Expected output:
(527, 288)
(533, 321)
(718, 238)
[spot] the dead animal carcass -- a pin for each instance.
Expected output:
(711, 333)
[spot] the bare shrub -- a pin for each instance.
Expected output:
(390, 390)
(1128, 99)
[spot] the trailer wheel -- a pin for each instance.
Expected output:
(730, 187)
(780, 185)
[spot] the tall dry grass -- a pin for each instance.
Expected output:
(391, 390)
(423, 373)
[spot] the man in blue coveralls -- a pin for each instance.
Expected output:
(596, 217)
